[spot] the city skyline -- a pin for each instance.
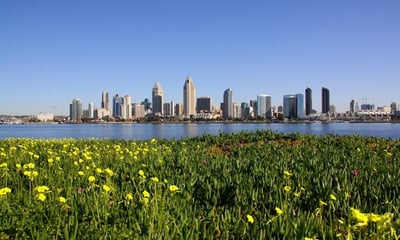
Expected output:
(53, 52)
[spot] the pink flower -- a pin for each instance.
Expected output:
(80, 190)
(355, 172)
(204, 161)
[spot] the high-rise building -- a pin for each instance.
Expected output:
(264, 106)
(293, 106)
(325, 100)
(157, 98)
(126, 107)
(91, 110)
(352, 105)
(75, 110)
(203, 105)
(189, 98)
(138, 110)
(178, 109)
(308, 101)
(237, 111)
(117, 106)
(104, 101)
(245, 110)
(227, 106)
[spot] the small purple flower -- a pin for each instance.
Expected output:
(204, 161)
(80, 190)
(355, 172)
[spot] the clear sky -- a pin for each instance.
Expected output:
(54, 51)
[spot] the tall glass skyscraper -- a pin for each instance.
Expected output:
(104, 101)
(264, 106)
(189, 98)
(293, 106)
(117, 106)
(227, 107)
(157, 98)
(75, 110)
(325, 100)
(308, 101)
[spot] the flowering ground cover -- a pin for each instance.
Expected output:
(262, 185)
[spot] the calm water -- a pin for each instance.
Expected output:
(177, 131)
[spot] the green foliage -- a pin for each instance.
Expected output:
(262, 185)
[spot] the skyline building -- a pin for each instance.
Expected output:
(157, 98)
(203, 104)
(325, 100)
(126, 107)
(189, 98)
(293, 106)
(105, 101)
(75, 110)
(117, 102)
(264, 106)
(308, 93)
(352, 105)
(227, 106)
(91, 110)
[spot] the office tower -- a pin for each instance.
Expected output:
(75, 110)
(308, 101)
(91, 110)
(167, 109)
(117, 104)
(126, 107)
(352, 105)
(178, 109)
(245, 110)
(189, 98)
(203, 105)
(325, 100)
(227, 106)
(237, 111)
(138, 110)
(104, 101)
(157, 98)
(293, 106)
(264, 106)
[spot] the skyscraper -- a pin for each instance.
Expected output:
(157, 98)
(117, 106)
(325, 100)
(126, 107)
(293, 106)
(75, 110)
(189, 98)
(352, 105)
(308, 101)
(264, 106)
(91, 110)
(104, 101)
(203, 104)
(227, 108)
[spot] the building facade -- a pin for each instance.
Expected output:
(75, 110)
(308, 93)
(189, 98)
(293, 106)
(117, 106)
(157, 98)
(264, 106)
(105, 103)
(325, 100)
(227, 106)
(203, 105)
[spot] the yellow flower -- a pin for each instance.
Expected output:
(91, 179)
(5, 191)
(62, 200)
(3, 165)
(29, 165)
(173, 188)
(250, 218)
(287, 188)
(278, 211)
(81, 173)
(41, 197)
(129, 196)
(359, 216)
(146, 194)
(332, 197)
(287, 173)
(41, 189)
(154, 179)
(50, 160)
(18, 166)
(31, 174)
(322, 203)
(99, 170)
(145, 200)
(141, 173)
(109, 172)
(106, 188)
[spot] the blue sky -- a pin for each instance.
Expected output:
(54, 51)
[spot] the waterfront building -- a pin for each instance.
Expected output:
(126, 107)
(293, 106)
(168, 109)
(264, 106)
(308, 101)
(179, 109)
(75, 110)
(227, 105)
(203, 105)
(45, 117)
(394, 107)
(138, 110)
(237, 111)
(352, 106)
(117, 104)
(245, 110)
(101, 113)
(189, 98)
(105, 101)
(157, 98)
(91, 110)
(325, 100)
(332, 109)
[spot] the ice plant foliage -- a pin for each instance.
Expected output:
(261, 185)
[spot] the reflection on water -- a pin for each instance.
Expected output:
(178, 130)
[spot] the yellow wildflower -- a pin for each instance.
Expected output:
(359, 216)
(287, 188)
(41, 189)
(31, 174)
(99, 170)
(154, 179)
(322, 203)
(145, 201)
(141, 173)
(41, 197)
(5, 191)
(109, 172)
(287, 173)
(3, 165)
(18, 166)
(250, 218)
(91, 179)
(146, 194)
(62, 200)
(129, 196)
(81, 173)
(106, 188)
(278, 211)
(173, 188)
(50, 160)
(332, 197)
(29, 165)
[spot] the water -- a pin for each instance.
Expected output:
(179, 130)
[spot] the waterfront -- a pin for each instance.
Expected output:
(182, 130)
